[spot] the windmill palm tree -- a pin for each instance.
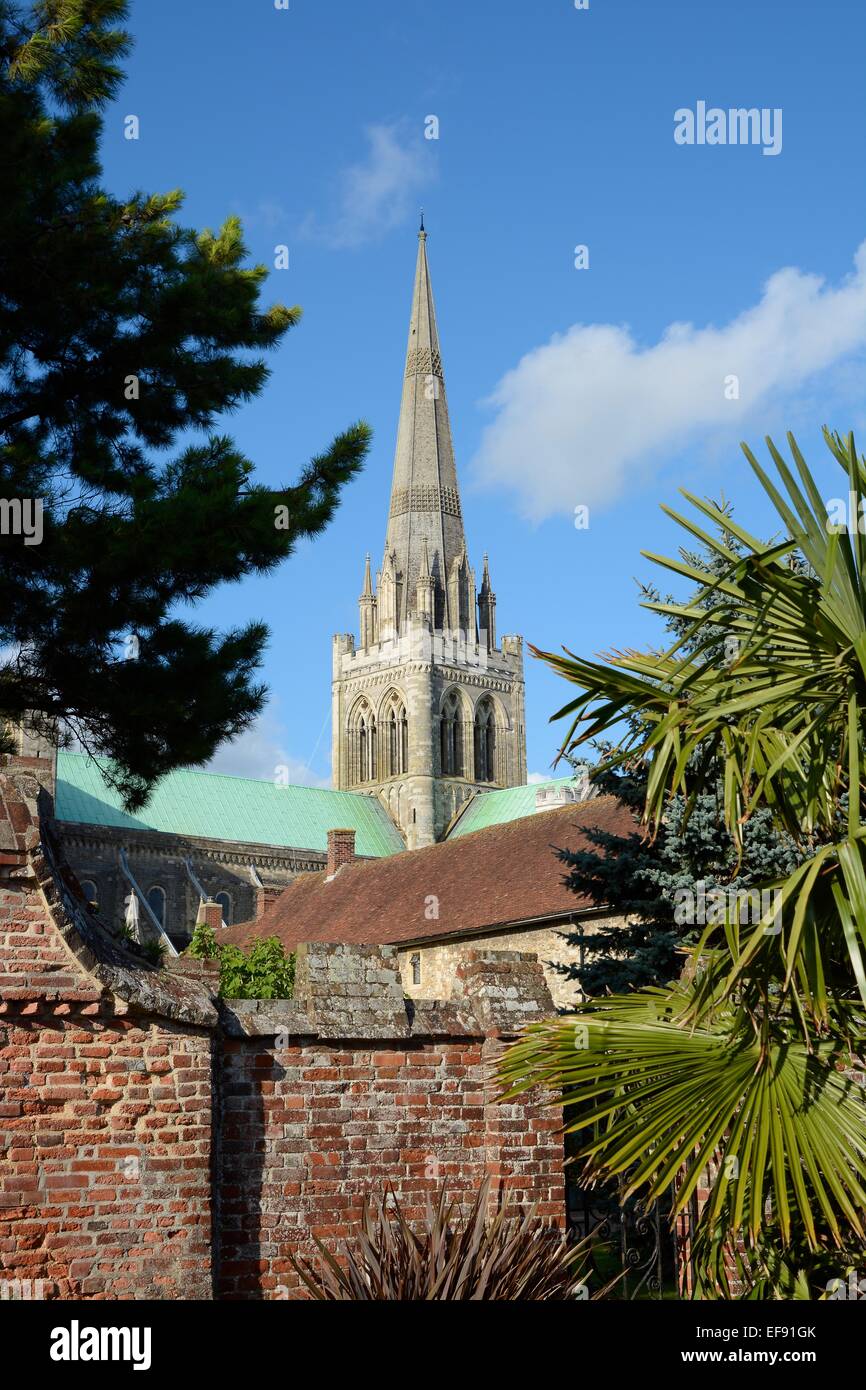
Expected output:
(741, 1078)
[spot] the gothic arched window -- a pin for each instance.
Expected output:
(451, 734)
(363, 762)
(485, 742)
(396, 737)
(225, 903)
(88, 888)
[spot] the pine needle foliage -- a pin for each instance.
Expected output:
(126, 337)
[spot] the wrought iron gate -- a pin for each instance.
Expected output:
(638, 1252)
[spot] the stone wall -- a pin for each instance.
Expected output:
(423, 667)
(437, 961)
(158, 1143)
(157, 861)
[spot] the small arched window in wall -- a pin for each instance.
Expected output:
(485, 742)
(88, 888)
(225, 903)
(415, 963)
(156, 902)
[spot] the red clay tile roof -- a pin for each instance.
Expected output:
(506, 873)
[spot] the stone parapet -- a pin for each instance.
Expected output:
(506, 989)
(355, 992)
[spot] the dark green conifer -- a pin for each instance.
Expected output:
(124, 336)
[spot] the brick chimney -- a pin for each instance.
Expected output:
(210, 913)
(341, 850)
(265, 896)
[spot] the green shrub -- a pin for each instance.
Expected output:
(204, 943)
(263, 972)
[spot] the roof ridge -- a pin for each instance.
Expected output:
(479, 882)
(228, 777)
(219, 806)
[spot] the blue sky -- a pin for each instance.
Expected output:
(600, 386)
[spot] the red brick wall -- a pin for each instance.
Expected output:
(105, 1139)
(309, 1129)
(148, 1152)
(104, 1117)
(335, 1095)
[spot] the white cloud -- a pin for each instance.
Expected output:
(584, 415)
(271, 214)
(261, 753)
(536, 777)
(380, 191)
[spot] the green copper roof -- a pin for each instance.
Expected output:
(215, 807)
(495, 808)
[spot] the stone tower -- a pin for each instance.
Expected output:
(427, 707)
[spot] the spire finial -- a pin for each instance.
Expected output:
(368, 586)
(421, 231)
(485, 577)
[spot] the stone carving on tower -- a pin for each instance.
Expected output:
(427, 709)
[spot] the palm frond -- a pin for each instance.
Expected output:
(673, 1106)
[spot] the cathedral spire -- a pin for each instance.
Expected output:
(487, 608)
(425, 501)
(428, 709)
(368, 610)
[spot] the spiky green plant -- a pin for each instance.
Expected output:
(511, 1255)
(154, 951)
